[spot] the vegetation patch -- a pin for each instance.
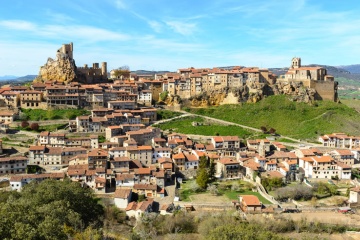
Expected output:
(41, 128)
(51, 114)
(293, 119)
(166, 114)
(185, 125)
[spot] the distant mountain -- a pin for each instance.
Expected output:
(355, 68)
(147, 72)
(17, 79)
(26, 78)
(337, 72)
(7, 77)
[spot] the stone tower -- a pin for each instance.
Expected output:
(67, 49)
(104, 69)
(296, 62)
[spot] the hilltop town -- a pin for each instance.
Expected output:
(115, 147)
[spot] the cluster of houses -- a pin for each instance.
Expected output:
(130, 164)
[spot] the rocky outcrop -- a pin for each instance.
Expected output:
(250, 93)
(296, 91)
(62, 69)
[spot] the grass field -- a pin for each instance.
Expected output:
(49, 128)
(235, 195)
(166, 114)
(298, 120)
(53, 114)
(184, 125)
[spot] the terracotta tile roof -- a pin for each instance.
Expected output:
(100, 180)
(159, 174)
(178, 156)
(45, 133)
(17, 158)
(199, 145)
(159, 140)
(191, 157)
(37, 148)
(54, 151)
(164, 160)
(144, 186)
(230, 138)
(218, 139)
(213, 156)
(209, 147)
(124, 176)
(140, 148)
(342, 152)
(74, 172)
(228, 161)
(164, 149)
(274, 174)
(251, 200)
(122, 193)
(167, 165)
(131, 206)
(318, 159)
(343, 165)
(121, 159)
(98, 153)
(144, 171)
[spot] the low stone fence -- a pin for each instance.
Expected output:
(207, 206)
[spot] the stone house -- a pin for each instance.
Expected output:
(228, 168)
(122, 197)
(36, 155)
(148, 190)
(179, 161)
(13, 165)
(31, 99)
(250, 203)
(125, 180)
(343, 155)
(7, 116)
(136, 210)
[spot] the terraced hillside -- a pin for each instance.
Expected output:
(298, 120)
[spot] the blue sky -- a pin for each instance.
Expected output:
(167, 35)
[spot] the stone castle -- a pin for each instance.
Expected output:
(63, 69)
(311, 77)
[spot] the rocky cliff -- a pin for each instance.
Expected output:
(62, 69)
(251, 93)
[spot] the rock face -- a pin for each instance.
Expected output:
(62, 69)
(251, 93)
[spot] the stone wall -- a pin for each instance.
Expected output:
(325, 90)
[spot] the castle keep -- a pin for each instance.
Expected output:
(63, 68)
(85, 74)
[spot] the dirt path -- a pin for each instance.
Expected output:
(317, 117)
(186, 114)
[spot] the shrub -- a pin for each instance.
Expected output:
(34, 126)
(213, 189)
(24, 124)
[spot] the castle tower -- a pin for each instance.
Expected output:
(296, 62)
(104, 69)
(67, 49)
(95, 65)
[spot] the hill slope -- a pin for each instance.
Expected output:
(298, 120)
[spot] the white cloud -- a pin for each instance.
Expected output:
(182, 27)
(155, 25)
(73, 32)
(120, 4)
(18, 25)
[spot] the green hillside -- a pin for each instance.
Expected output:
(206, 128)
(298, 120)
